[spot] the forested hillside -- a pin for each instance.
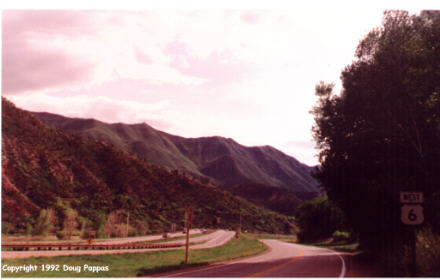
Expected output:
(45, 168)
(222, 160)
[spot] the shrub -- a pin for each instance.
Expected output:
(5, 228)
(70, 222)
(44, 222)
(339, 236)
(428, 253)
(318, 218)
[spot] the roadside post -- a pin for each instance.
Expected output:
(412, 215)
(188, 218)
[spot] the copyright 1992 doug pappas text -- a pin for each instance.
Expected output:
(53, 268)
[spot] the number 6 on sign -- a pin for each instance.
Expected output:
(412, 214)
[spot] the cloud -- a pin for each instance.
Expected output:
(56, 50)
(250, 18)
(299, 144)
(29, 66)
(142, 57)
(220, 67)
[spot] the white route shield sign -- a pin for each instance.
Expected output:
(412, 214)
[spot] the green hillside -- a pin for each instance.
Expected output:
(222, 160)
(277, 199)
(43, 168)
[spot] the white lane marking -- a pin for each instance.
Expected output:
(341, 275)
(331, 252)
(343, 269)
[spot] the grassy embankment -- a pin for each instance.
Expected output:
(342, 246)
(329, 243)
(282, 237)
(136, 264)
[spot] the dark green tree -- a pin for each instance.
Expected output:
(318, 218)
(381, 135)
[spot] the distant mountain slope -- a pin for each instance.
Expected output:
(44, 167)
(281, 200)
(221, 159)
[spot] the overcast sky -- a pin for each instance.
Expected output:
(244, 73)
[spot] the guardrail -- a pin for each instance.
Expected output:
(49, 247)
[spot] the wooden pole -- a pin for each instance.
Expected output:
(128, 217)
(414, 254)
(188, 216)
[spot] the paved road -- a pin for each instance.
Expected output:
(144, 238)
(217, 238)
(282, 260)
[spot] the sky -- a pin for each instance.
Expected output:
(241, 72)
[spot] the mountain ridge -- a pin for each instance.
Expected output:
(222, 160)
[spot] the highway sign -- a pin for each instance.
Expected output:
(411, 197)
(412, 214)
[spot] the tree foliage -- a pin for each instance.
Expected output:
(318, 218)
(43, 223)
(70, 222)
(381, 135)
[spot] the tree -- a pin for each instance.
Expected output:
(381, 135)
(318, 218)
(70, 222)
(45, 222)
(116, 225)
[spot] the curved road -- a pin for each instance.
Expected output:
(217, 238)
(282, 260)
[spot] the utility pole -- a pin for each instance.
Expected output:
(238, 232)
(188, 218)
(128, 218)
(240, 218)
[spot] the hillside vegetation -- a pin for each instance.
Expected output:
(280, 200)
(45, 168)
(221, 160)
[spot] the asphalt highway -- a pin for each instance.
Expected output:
(282, 260)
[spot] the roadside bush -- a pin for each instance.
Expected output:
(44, 223)
(141, 229)
(339, 236)
(5, 228)
(428, 253)
(68, 235)
(29, 229)
(317, 219)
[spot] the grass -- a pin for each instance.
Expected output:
(281, 237)
(137, 264)
(329, 243)
(349, 248)
(341, 246)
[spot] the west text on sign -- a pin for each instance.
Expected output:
(411, 197)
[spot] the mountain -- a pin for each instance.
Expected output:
(222, 160)
(46, 168)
